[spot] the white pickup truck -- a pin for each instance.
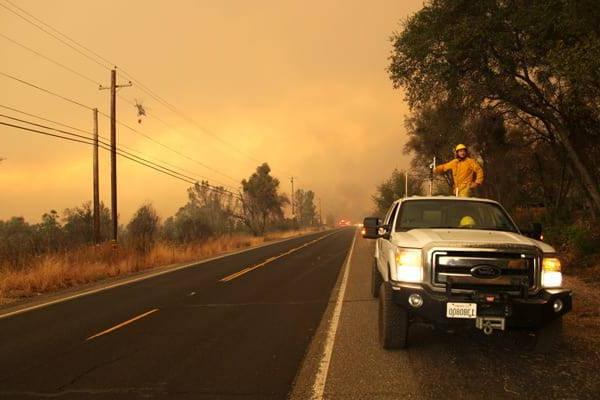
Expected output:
(462, 261)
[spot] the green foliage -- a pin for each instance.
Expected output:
(78, 225)
(392, 189)
(17, 241)
(261, 203)
(306, 211)
(533, 62)
(575, 239)
(143, 229)
(208, 212)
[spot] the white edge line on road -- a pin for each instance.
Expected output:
(144, 277)
(321, 377)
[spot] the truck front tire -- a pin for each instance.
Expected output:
(393, 320)
(376, 279)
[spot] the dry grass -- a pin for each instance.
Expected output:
(59, 271)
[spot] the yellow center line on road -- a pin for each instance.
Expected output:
(122, 324)
(271, 259)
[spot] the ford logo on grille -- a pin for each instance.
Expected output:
(485, 271)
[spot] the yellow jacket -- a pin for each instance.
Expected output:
(464, 172)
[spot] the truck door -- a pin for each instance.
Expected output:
(385, 245)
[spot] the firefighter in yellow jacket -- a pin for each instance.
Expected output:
(466, 172)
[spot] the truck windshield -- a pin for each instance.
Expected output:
(453, 214)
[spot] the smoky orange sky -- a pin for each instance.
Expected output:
(299, 84)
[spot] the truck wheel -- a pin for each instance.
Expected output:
(393, 320)
(376, 279)
(548, 336)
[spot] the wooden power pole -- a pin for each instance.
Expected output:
(320, 212)
(113, 150)
(293, 213)
(96, 182)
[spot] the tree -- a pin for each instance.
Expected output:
(209, 211)
(143, 228)
(17, 241)
(392, 189)
(50, 231)
(305, 206)
(79, 224)
(434, 131)
(536, 62)
(215, 205)
(260, 200)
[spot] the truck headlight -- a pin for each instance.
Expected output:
(551, 272)
(409, 265)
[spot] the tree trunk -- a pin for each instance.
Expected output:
(586, 178)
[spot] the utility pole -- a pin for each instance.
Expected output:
(113, 150)
(406, 184)
(96, 182)
(320, 212)
(293, 213)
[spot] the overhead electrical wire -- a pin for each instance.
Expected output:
(49, 33)
(121, 97)
(120, 123)
(71, 70)
(138, 83)
(118, 144)
(106, 146)
(46, 90)
(171, 149)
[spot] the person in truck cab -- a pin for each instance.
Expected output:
(467, 174)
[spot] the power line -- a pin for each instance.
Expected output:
(87, 78)
(48, 120)
(48, 33)
(46, 90)
(106, 146)
(142, 86)
(171, 149)
(120, 123)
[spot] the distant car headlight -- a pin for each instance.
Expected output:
(551, 272)
(409, 265)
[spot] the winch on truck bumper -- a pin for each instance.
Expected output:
(493, 310)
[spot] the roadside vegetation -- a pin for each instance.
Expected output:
(59, 252)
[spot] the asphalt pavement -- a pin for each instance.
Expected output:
(236, 327)
(293, 319)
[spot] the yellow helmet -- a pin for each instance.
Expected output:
(460, 147)
(467, 221)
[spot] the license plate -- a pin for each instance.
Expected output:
(461, 310)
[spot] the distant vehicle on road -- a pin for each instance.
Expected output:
(344, 222)
(463, 262)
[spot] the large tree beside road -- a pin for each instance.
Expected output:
(535, 63)
(260, 200)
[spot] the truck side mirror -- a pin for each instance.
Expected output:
(371, 228)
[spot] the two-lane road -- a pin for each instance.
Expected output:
(293, 319)
(234, 327)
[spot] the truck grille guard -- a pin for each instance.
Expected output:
(509, 269)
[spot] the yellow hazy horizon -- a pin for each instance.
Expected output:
(299, 85)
